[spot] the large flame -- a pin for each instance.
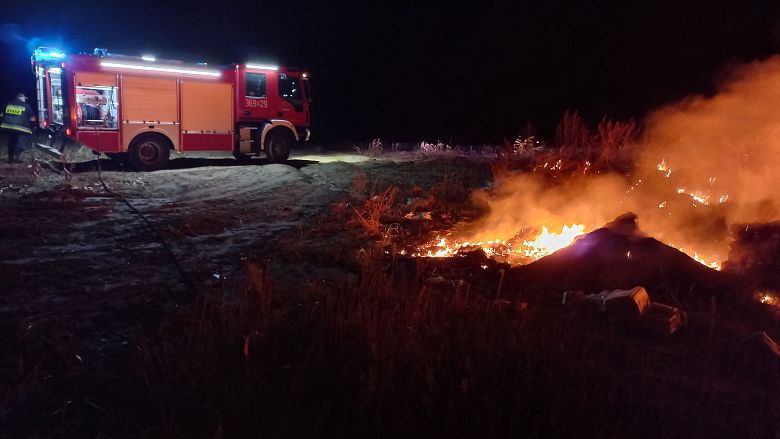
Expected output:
(516, 250)
(705, 165)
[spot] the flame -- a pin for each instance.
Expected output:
(662, 167)
(523, 248)
(715, 265)
(768, 298)
(522, 252)
(513, 250)
(547, 242)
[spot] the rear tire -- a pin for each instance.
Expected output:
(149, 152)
(277, 146)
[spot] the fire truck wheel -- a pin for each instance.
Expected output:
(149, 152)
(278, 146)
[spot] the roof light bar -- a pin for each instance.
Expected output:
(211, 73)
(262, 67)
(148, 58)
(47, 53)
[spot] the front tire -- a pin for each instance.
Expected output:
(278, 145)
(149, 152)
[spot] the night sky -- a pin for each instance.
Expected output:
(410, 71)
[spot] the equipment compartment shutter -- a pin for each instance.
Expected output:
(147, 99)
(206, 107)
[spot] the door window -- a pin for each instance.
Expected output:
(290, 91)
(255, 85)
(57, 103)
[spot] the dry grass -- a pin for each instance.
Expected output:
(394, 352)
(370, 215)
(611, 148)
(434, 148)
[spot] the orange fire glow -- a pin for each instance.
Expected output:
(520, 252)
(768, 298)
(517, 251)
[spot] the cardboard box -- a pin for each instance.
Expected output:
(661, 319)
(626, 305)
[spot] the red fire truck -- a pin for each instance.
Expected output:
(141, 108)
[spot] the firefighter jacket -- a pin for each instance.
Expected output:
(16, 116)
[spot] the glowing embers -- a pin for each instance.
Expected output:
(523, 248)
(161, 69)
(701, 197)
(768, 297)
(663, 167)
(715, 265)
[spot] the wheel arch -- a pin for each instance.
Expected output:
(151, 132)
(274, 125)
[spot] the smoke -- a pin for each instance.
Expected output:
(725, 149)
(723, 153)
(528, 200)
(728, 144)
(12, 35)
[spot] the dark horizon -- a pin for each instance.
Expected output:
(410, 72)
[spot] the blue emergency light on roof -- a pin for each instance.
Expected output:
(48, 53)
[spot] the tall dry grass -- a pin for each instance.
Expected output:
(393, 352)
(611, 147)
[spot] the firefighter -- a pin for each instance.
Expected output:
(17, 120)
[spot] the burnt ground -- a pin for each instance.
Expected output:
(227, 300)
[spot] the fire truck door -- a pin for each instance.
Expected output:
(292, 99)
(254, 101)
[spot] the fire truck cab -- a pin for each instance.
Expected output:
(141, 108)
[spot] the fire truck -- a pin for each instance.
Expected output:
(140, 108)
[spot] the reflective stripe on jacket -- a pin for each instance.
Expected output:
(8, 126)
